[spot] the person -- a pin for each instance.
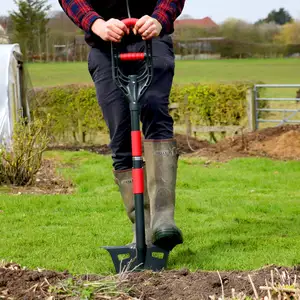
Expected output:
(101, 22)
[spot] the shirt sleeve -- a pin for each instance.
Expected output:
(80, 12)
(167, 11)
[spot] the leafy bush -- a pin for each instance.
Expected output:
(73, 110)
(21, 158)
(212, 104)
(292, 49)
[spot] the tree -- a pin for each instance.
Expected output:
(239, 30)
(280, 17)
(289, 34)
(267, 32)
(29, 24)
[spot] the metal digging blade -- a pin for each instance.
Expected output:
(126, 258)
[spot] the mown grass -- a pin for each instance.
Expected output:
(238, 215)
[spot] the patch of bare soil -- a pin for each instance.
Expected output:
(184, 146)
(189, 145)
(99, 149)
(281, 142)
(175, 285)
(17, 283)
(47, 181)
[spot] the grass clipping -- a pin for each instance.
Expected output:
(107, 288)
(286, 289)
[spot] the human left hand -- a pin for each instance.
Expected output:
(147, 27)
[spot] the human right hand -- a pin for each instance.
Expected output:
(112, 30)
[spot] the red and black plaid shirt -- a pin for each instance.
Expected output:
(83, 14)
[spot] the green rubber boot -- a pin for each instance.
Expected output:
(124, 180)
(161, 158)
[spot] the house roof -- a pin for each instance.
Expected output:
(205, 22)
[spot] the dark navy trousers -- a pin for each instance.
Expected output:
(156, 121)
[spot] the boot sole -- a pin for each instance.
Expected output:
(167, 239)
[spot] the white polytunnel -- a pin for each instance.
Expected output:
(13, 102)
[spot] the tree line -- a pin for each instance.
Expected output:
(276, 35)
(47, 35)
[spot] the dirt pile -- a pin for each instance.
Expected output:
(281, 142)
(188, 145)
(177, 285)
(286, 145)
(17, 283)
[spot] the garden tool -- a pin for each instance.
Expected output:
(139, 256)
(123, 179)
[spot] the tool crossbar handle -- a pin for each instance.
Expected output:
(130, 22)
(133, 56)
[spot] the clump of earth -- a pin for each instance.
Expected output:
(282, 142)
(19, 283)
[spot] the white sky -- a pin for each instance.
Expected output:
(218, 10)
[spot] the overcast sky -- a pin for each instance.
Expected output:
(218, 10)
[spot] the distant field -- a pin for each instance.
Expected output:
(268, 71)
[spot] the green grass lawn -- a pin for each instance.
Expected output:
(238, 215)
(266, 70)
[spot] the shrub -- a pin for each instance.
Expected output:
(73, 110)
(213, 104)
(216, 104)
(20, 159)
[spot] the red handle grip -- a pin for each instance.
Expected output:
(130, 22)
(132, 56)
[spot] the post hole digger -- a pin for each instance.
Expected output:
(141, 255)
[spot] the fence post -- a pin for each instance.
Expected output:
(187, 117)
(251, 110)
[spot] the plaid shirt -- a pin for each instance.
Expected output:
(83, 14)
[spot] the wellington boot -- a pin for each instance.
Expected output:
(161, 158)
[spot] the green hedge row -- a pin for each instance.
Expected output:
(73, 110)
(75, 113)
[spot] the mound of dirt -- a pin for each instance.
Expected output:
(286, 145)
(281, 142)
(175, 285)
(188, 145)
(18, 283)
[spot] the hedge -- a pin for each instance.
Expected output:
(75, 112)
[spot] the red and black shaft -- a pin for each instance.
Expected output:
(133, 87)
(137, 169)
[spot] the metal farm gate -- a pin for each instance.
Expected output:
(288, 113)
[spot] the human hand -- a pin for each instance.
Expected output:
(147, 27)
(112, 30)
